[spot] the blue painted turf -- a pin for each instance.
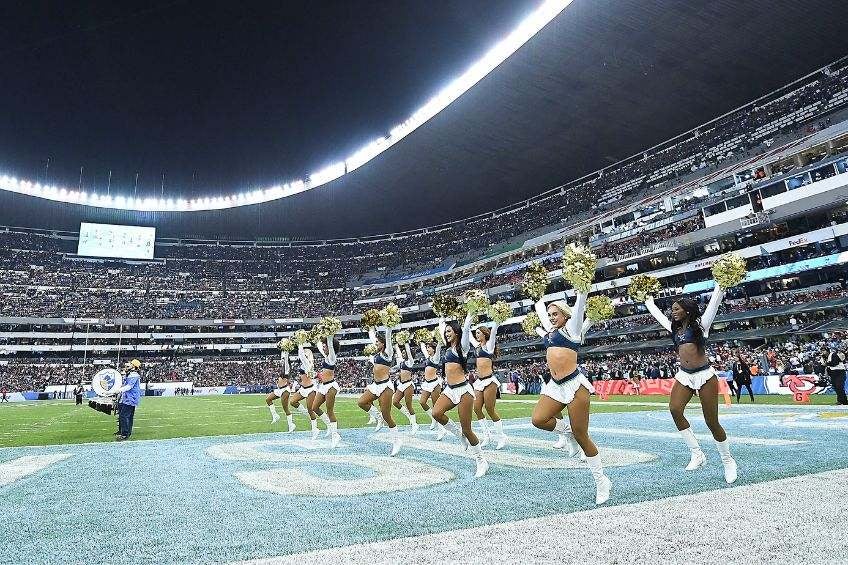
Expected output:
(183, 505)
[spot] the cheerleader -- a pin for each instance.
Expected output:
(382, 388)
(431, 387)
(689, 331)
(327, 389)
(405, 387)
(307, 389)
(568, 387)
(282, 392)
(458, 392)
(484, 342)
(565, 439)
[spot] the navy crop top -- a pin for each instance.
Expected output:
(327, 366)
(451, 356)
(480, 352)
(556, 339)
(688, 336)
(380, 360)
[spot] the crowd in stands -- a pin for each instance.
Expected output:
(645, 239)
(260, 373)
(41, 276)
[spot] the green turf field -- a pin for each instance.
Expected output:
(61, 422)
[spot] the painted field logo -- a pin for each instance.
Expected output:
(801, 386)
(382, 474)
(346, 474)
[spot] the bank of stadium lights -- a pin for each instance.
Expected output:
(495, 56)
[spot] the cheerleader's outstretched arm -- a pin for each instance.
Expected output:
(493, 339)
(330, 356)
(542, 312)
(398, 357)
(709, 315)
(657, 313)
(578, 314)
(305, 362)
(387, 334)
(410, 360)
(465, 342)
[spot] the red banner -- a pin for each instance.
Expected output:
(646, 386)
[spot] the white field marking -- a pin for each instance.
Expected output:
(21, 467)
(252, 450)
(676, 530)
(825, 425)
(391, 474)
(612, 457)
(669, 435)
(745, 440)
(696, 404)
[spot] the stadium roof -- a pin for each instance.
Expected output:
(602, 81)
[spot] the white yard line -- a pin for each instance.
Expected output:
(681, 529)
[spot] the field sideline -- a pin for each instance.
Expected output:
(269, 498)
(61, 422)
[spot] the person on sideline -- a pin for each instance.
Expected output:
(130, 398)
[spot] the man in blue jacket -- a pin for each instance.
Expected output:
(130, 397)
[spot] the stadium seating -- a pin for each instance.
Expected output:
(644, 214)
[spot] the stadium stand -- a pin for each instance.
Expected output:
(767, 181)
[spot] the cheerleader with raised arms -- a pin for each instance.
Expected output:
(405, 387)
(382, 388)
(282, 392)
(562, 335)
(484, 342)
(689, 330)
(328, 387)
(458, 392)
(431, 386)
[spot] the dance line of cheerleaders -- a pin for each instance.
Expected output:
(562, 330)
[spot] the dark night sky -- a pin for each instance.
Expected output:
(239, 96)
(233, 94)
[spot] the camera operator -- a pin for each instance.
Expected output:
(130, 397)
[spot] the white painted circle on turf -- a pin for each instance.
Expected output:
(391, 474)
(545, 456)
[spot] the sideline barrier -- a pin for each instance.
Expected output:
(648, 387)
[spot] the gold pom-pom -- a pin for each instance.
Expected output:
(535, 281)
(423, 335)
(286, 345)
(370, 319)
(328, 326)
(370, 350)
(500, 312)
(476, 302)
(390, 315)
(729, 270)
(642, 286)
(439, 337)
(599, 307)
(445, 306)
(578, 266)
(530, 323)
(402, 337)
(302, 337)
